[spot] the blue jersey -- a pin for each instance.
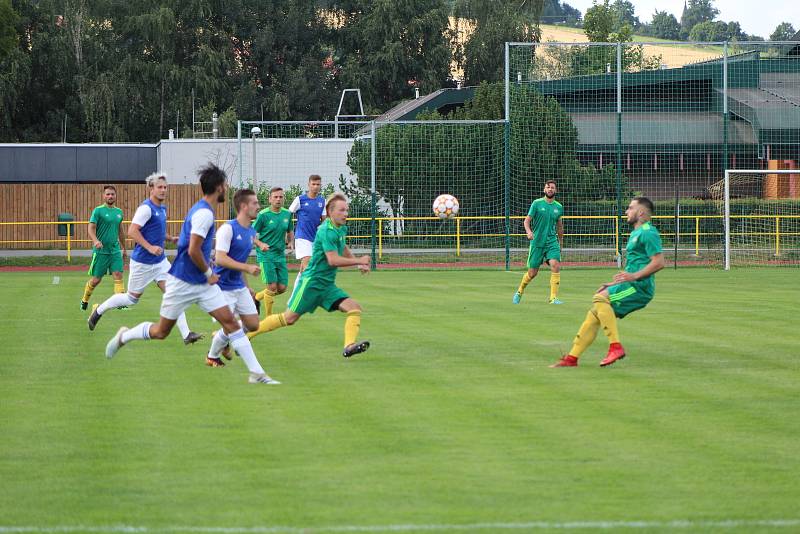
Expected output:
(309, 213)
(183, 267)
(241, 246)
(154, 232)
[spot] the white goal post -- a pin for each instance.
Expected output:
(761, 211)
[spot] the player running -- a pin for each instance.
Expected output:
(629, 291)
(275, 231)
(108, 245)
(310, 212)
(148, 263)
(192, 281)
(317, 287)
(546, 237)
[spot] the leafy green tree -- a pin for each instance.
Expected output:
(665, 26)
(490, 24)
(8, 30)
(783, 32)
(696, 12)
(386, 48)
(624, 13)
(709, 31)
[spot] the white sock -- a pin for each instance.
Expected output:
(140, 331)
(183, 325)
(242, 346)
(115, 301)
(217, 344)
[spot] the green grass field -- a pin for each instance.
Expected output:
(451, 422)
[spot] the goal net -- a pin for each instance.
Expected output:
(761, 216)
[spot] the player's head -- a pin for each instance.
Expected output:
(314, 185)
(336, 208)
(246, 200)
(109, 194)
(212, 181)
(550, 188)
(276, 195)
(640, 209)
(157, 186)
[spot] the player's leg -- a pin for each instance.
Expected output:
(97, 269)
(116, 272)
(617, 302)
(535, 259)
(555, 280)
(583, 339)
(236, 337)
(142, 331)
(266, 297)
(187, 334)
(140, 275)
(304, 299)
(352, 325)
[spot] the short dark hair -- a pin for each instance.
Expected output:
(241, 197)
(647, 203)
(109, 186)
(211, 177)
(275, 189)
(551, 182)
(315, 178)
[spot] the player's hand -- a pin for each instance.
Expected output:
(213, 279)
(155, 250)
(624, 277)
(530, 235)
(364, 260)
(364, 269)
(253, 269)
(97, 245)
(263, 247)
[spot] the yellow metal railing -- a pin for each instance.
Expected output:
(458, 234)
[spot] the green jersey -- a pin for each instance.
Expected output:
(544, 216)
(272, 228)
(644, 243)
(329, 237)
(107, 219)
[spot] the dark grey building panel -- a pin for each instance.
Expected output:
(6, 163)
(29, 165)
(60, 163)
(123, 164)
(92, 164)
(148, 161)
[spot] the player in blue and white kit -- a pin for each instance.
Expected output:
(148, 229)
(310, 212)
(234, 243)
(192, 281)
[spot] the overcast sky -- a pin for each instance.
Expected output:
(759, 17)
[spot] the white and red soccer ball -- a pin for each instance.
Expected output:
(445, 206)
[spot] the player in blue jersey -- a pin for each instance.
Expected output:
(235, 241)
(148, 229)
(310, 212)
(192, 281)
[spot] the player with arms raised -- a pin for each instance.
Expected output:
(629, 291)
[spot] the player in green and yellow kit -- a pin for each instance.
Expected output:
(317, 286)
(108, 245)
(275, 234)
(546, 237)
(629, 291)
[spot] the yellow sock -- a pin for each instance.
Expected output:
(87, 291)
(586, 334)
(524, 283)
(119, 287)
(555, 281)
(270, 323)
(268, 299)
(351, 326)
(605, 314)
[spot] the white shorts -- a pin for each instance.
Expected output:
(302, 248)
(140, 275)
(240, 301)
(180, 295)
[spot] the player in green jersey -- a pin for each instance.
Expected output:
(629, 291)
(546, 237)
(108, 244)
(317, 286)
(275, 235)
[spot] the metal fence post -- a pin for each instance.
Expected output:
(373, 165)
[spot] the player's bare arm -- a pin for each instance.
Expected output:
(263, 247)
(364, 268)
(121, 238)
(335, 260)
(195, 252)
(560, 232)
(226, 262)
(289, 241)
(655, 265)
(93, 236)
(135, 233)
(527, 224)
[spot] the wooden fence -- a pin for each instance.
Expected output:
(28, 203)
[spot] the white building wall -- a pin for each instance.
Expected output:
(278, 162)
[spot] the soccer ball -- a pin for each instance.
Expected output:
(445, 206)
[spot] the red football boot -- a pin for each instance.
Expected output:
(615, 352)
(567, 361)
